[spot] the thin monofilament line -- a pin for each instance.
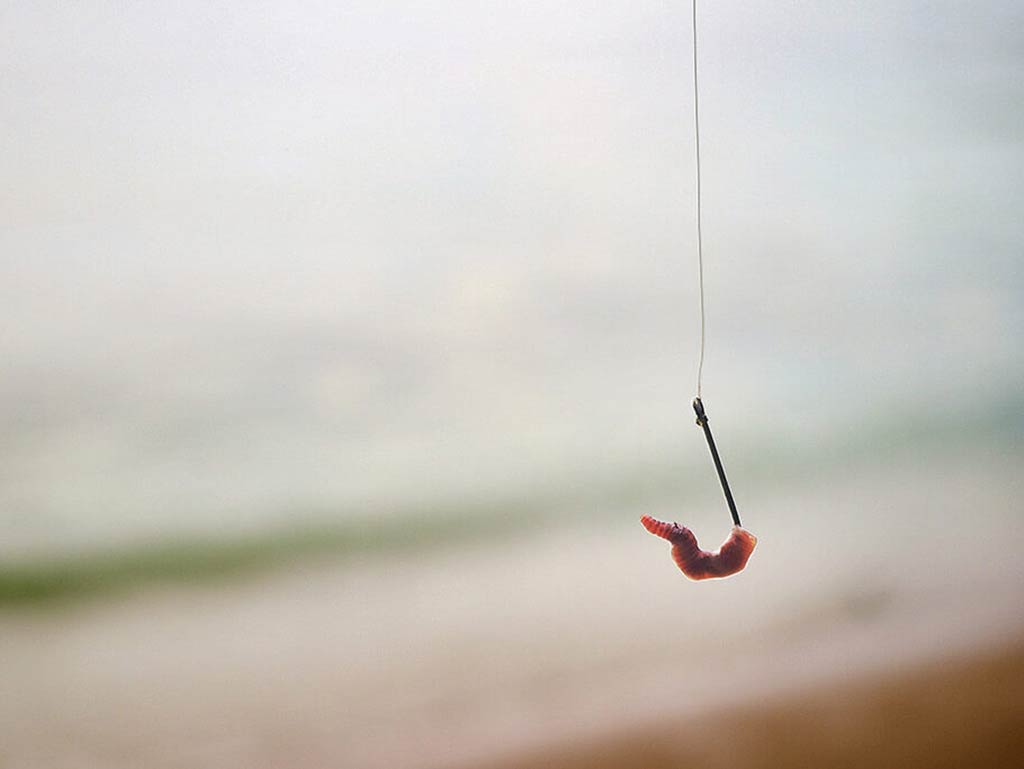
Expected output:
(700, 239)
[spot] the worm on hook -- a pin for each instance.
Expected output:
(698, 564)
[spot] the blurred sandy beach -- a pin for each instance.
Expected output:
(954, 713)
(577, 645)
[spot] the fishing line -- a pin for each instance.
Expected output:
(698, 406)
(700, 237)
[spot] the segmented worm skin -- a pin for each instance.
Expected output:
(698, 564)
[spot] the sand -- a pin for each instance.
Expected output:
(965, 713)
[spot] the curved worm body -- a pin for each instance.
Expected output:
(697, 564)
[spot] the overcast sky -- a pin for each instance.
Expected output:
(260, 255)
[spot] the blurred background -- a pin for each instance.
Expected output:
(343, 345)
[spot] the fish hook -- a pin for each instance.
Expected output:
(699, 564)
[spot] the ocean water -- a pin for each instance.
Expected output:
(297, 269)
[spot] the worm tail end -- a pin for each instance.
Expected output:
(658, 528)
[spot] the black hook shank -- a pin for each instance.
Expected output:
(702, 422)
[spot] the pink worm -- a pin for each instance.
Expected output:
(695, 563)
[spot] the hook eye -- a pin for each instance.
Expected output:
(698, 407)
